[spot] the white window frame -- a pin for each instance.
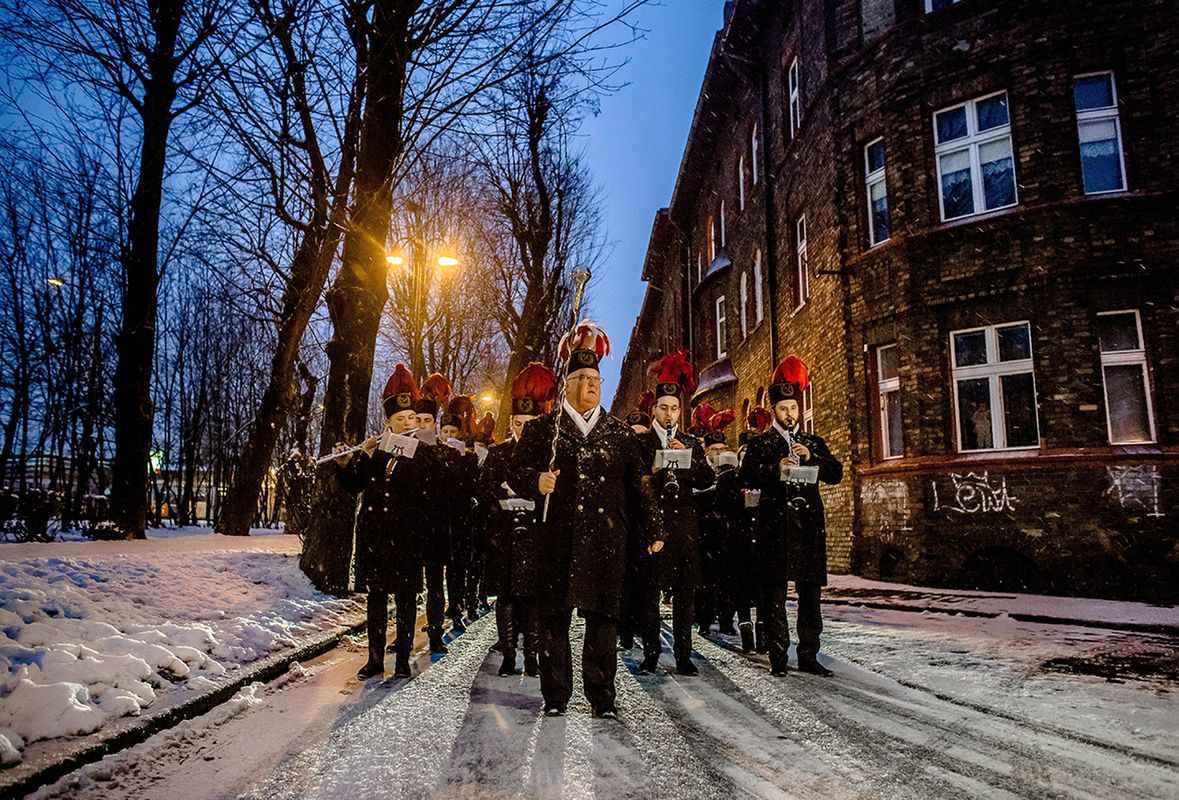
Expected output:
(972, 142)
(699, 267)
(711, 239)
(802, 262)
(795, 97)
(722, 329)
(887, 386)
(744, 303)
(754, 150)
(721, 213)
(741, 182)
(1107, 114)
(808, 409)
(758, 307)
(874, 178)
(1127, 358)
(993, 370)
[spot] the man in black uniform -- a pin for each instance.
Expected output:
(598, 503)
(455, 428)
(677, 566)
(434, 396)
(510, 565)
(393, 513)
(792, 540)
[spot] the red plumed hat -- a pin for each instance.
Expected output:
(675, 376)
(583, 347)
(702, 415)
(401, 392)
(435, 393)
(715, 427)
(461, 414)
(790, 380)
(534, 390)
(758, 419)
(485, 430)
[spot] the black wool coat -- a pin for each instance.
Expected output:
(678, 563)
(393, 522)
(737, 527)
(602, 504)
(792, 531)
(512, 537)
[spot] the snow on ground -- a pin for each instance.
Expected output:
(92, 632)
(921, 706)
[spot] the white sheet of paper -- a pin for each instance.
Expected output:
(752, 498)
(397, 445)
(799, 474)
(673, 459)
(517, 504)
(426, 435)
(727, 459)
(480, 452)
(457, 444)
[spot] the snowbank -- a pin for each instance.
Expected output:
(87, 640)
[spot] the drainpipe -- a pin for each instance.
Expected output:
(768, 198)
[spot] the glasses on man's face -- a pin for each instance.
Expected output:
(591, 380)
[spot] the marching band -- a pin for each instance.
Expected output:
(577, 510)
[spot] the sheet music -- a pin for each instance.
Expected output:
(673, 459)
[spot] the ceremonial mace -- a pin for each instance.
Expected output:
(581, 277)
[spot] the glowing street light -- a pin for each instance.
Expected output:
(56, 282)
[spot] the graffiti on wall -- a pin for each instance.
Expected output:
(975, 493)
(886, 506)
(1136, 488)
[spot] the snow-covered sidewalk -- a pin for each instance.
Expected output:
(93, 632)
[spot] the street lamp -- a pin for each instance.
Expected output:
(419, 287)
(56, 282)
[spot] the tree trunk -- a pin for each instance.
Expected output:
(135, 344)
(359, 293)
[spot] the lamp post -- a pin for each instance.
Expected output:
(420, 280)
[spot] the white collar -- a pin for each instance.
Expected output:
(788, 435)
(584, 425)
(663, 434)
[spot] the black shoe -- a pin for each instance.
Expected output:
(779, 671)
(509, 665)
(436, 645)
(606, 712)
(402, 669)
(531, 666)
(554, 709)
(626, 644)
(684, 666)
(649, 665)
(761, 645)
(811, 666)
(370, 670)
(457, 625)
(746, 637)
(727, 629)
(704, 628)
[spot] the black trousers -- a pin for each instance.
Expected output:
(683, 606)
(810, 623)
(378, 622)
(515, 615)
(435, 599)
(456, 584)
(599, 658)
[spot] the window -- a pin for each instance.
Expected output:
(744, 303)
(699, 267)
(994, 391)
(723, 239)
(878, 227)
(1128, 410)
(938, 5)
(804, 278)
(753, 155)
(808, 409)
(889, 381)
(711, 239)
(722, 337)
(758, 311)
(795, 100)
(741, 183)
(1100, 132)
(975, 160)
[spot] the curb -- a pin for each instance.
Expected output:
(76, 753)
(1131, 627)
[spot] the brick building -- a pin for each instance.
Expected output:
(962, 214)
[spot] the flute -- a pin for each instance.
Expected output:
(354, 449)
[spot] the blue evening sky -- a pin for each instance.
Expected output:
(634, 148)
